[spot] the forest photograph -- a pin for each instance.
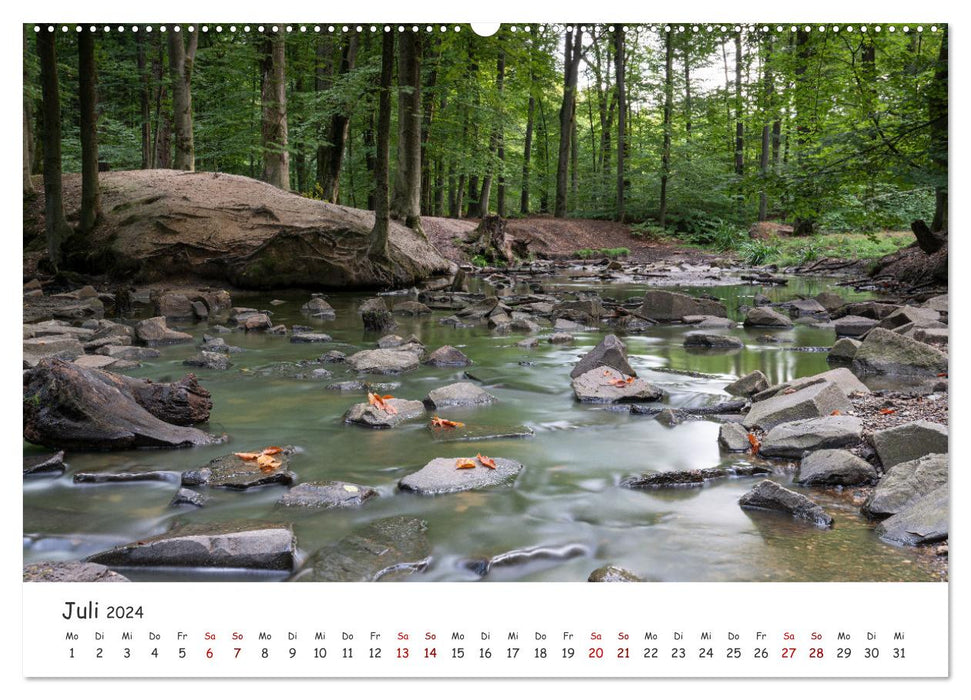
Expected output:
(564, 302)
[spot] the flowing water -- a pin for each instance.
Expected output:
(568, 493)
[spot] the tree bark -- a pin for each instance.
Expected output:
(144, 100)
(88, 105)
(330, 155)
(500, 136)
(378, 248)
(768, 87)
(804, 223)
(937, 111)
(619, 69)
(527, 152)
(406, 201)
(666, 147)
(55, 224)
(28, 183)
(181, 61)
(739, 124)
(276, 157)
(571, 62)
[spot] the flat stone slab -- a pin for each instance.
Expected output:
(667, 307)
(327, 494)
(447, 356)
(64, 347)
(244, 544)
(383, 361)
(853, 326)
(45, 465)
(905, 483)
(188, 497)
(70, 572)
(699, 340)
(441, 475)
(388, 549)
(691, 478)
(310, 338)
(923, 522)
(232, 472)
(594, 386)
(768, 495)
(909, 441)
(813, 401)
(373, 417)
(95, 361)
(478, 431)
(459, 394)
(792, 439)
(764, 317)
(841, 377)
(835, 468)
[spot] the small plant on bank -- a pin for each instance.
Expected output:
(757, 252)
(479, 261)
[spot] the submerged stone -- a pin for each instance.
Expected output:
(690, 478)
(442, 475)
(373, 417)
(233, 472)
(327, 494)
(768, 495)
(525, 556)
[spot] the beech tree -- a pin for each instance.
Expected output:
(273, 94)
(572, 52)
(330, 153)
(378, 248)
(181, 61)
(55, 224)
(88, 104)
(406, 201)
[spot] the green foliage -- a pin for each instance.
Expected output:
(756, 252)
(480, 261)
(612, 253)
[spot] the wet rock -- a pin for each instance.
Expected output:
(208, 360)
(123, 477)
(594, 386)
(903, 443)
(95, 361)
(373, 417)
(886, 352)
(188, 497)
(359, 385)
(931, 336)
(173, 306)
(411, 308)
(749, 385)
(918, 316)
(315, 374)
(128, 352)
(333, 356)
(232, 472)
(609, 352)
(372, 304)
(310, 338)
(560, 339)
(667, 307)
(843, 351)
(244, 544)
(670, 417)
(200, 310)
(390, 341)
(764, 317)
(923, 522)
(442, 476)
(704, 321)
(528, 343)
(379, 320)
(63, 347)
(39, 308)
(813, 401)
(388, 549)
(829, 432)
(835, 468)
(613, 574)
(212, 343)
(459, 394)
(525, 325)
(586, 312)
(905, 483)
(733, 438)
(768, 495)
(45, 465)
(155, 331)
(70, 572)
(526, 556)
(447, 356)
(843, 378)
(712, 341)
(829, 301)
(327, 494)
(317, 307)
(690, 478)
(71, 407)
(805, 308)
(853, 326)
(479, 431)
(59, 328)
(383, 361)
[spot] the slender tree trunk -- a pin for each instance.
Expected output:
(55, 224)
(88, 105)
(571, 56)
(687, 91)
(666, 148)
(527, 151)
(145, 100)
(273, 97)
(769, 97)
(181, 61)
(544, 193)
(804, 223)
(28, 183)
(378, 248)
(331, 154)
(433, 51)
(161, 147)
(739, 124)
(500, 136)
(937, 111)
(619, 69)
(406, 202)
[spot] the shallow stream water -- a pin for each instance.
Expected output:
(568, 493)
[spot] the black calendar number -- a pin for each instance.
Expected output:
(898, 653)
(458, 652)
(733, 653)
(677, 653)
(843, 653)
(99, 654)
(761, 653)
(124, 612)
(539, 653)
(127, 653)
(650, 652)
(375, 652)
(705, 653)
(871, 653)
(321, 653)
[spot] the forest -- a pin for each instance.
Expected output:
(683, 130)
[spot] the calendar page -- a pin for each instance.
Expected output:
(539, 348)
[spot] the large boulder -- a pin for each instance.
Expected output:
(173, 305)
(373, 417)
(585, 311)
(383, 361)
(835, 468)
(923, 522)
(443, 475)
(909, 441)
(791, 439)
(905, 483)
(607, 385)
(46, 465)
(667, 307)
(764, 317)
(886, 352)
(388, 549)
(318, 307)
(459, 394)
(67, 406)
(155, 331)
(245, 544)
(768, 495)
(733, 438)
(921, 317)
(749, 385)
(813, 401)
(853, 326)
(609, 352)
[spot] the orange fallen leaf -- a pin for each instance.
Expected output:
(942, 374)
(754, 442)
(486, 461)
(836, 412)
(622, 382)
(272, 450)
(887, 411)
(445, 423)
(247, 456)
(379, 403)
(790, 390)
(464, 463)
(267, 464)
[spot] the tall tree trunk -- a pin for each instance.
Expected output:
(330, 155)
(181, 61)
(769, 98)
(500, 136)
(273, 97)
(29, 189)
(571, 62)
(55, 224)
(687, 90)
(145, 100)
(527, 151)
(406, 202)
(88, 105)
(161, 146)
(433, 51)
(937, 111)
(495, 141)
(804, 223)
(739, 124)
(378, 247)
(666, 147)
(619, 70)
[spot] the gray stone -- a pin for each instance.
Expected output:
(208, 360)
(383, 361)
(905, 315)
(128, 352)
(447, 356)
(188, 497)
(173, 306)
(333, 356)
(594, 386)
(853, 326)
(841, 377)
(200, 310)
(560, 339)
(909, 441)
(829, 301)
(923, 522)
(390, 341)
(64, 347)
(528, 343)
(478, 431)
(585, 311)
(667, 307)
(70, 572)
(459, 394)
(388, 549)
(812, 401)
(843, 351)
(938, 303)
(733, 438)
(373, 417)
(526, 556)
(793, 438)
(768, 495)
(690, 478)
(670, 417)
(46, 465)
(886, 352)
(260, 323)
(749, 385)
(378, 320)
(411, 308)
(613, 574)
(58, 328)
(905, 483)
(932, 336)
(442, 475)
(805, 308)
(232, 472)
(155, 331)
(243, 544)
(835, 468)
(609, 352)
(704, 321)
(95, 361)
(327, 494)
(764, 317)
(526, 325)
(124, 477)
(319, 308)
(714, 341)
(310, 338)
